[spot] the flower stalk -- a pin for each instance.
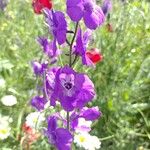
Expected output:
(72, 89)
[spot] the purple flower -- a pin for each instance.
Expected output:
(81, 46)
(81, 125)
(49, 48)
(90, 113)
(38, 68)
(72, 89)
(81, 120)
(91, 13)
(107, 5)
(50, 80)
(57, 25)
(38, 102)
(59, 137)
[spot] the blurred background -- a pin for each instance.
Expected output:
(122, 79)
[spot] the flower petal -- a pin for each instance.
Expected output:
(94, 19)
(90, 113)
(75, 13)
(86, 92)
(64, 139)
(51, 124)
(73, 2)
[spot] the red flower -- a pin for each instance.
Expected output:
(38, 5)
(94, 55)
(26, 129)
(30, 135)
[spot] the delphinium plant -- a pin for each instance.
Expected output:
(65, 92)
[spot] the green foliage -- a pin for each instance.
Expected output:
(122, 79)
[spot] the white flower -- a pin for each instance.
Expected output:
(9, 100)
(4, 127)
(35, 119)
(47, 105)
(87, 141)
(83, 125)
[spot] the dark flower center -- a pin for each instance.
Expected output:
(68, 85)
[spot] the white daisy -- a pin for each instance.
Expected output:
(35, 119)
(9, 100)
(4, 127)
(87, 141)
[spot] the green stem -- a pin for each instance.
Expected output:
(45, 90)
(70, 64)
(107, 138)
(68, 120)
(71, 44)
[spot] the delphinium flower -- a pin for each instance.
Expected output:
(81, 46)
(59, 137)
(107, 6)
(72, 89)
(38, 68)
(91, 13)
(39, 5)
(38, 102)
(49, 48)
(81, 121)
(89, 57)
(57, 25)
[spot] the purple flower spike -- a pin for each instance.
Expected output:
(59, 137)
(107, 5)
(49, 48)
(90, 113)
(57, 25)
(72, 89)
(91, 13)
(38, 102)
(38, 68)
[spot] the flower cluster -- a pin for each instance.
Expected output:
(62, 86)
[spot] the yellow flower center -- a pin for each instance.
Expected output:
(82, 139)
(35, 120)
(3, 131)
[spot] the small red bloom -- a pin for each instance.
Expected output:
(38, 5)
(109, 27)
(30, 135)
(26, 129)
(94, 55)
